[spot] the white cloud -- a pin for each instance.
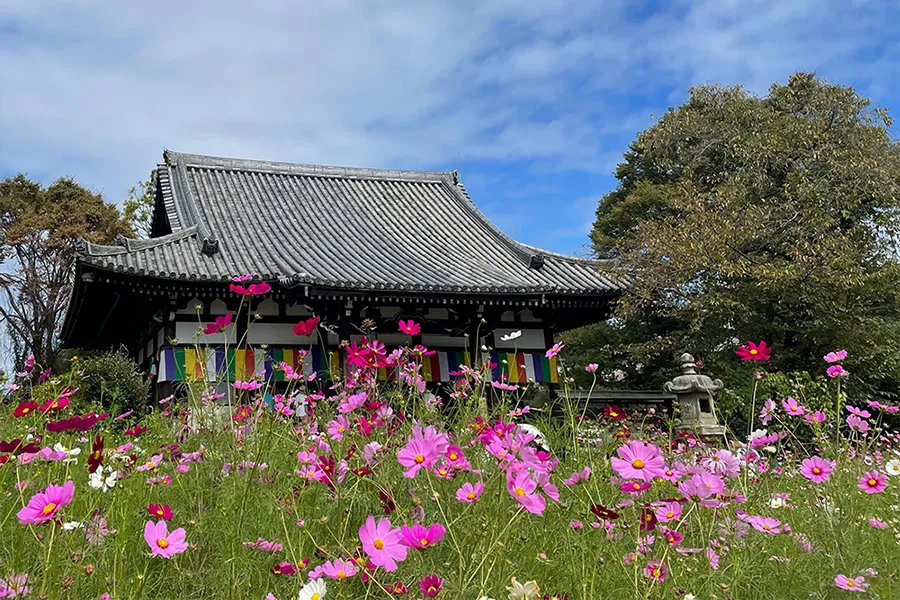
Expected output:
(96, 88)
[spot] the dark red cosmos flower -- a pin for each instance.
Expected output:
(242, 414)
(755, 352)
(136, 430)
(17, 447)
(398, 589)
(76, 423)
(25, 408)
(284, 568)
(648, 520)
(95, 458)
(387, 500)
(603, 512)
(362, 471)
(254, 289)
(614, 412)
(307, 327)
(160, 511)
(622, 434)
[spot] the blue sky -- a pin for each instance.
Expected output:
(532, 101)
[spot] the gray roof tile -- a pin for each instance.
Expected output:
(339, 227)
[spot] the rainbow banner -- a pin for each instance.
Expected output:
(212, 364)
(522, 367)
(435, 367)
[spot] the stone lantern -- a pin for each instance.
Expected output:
(695, 399)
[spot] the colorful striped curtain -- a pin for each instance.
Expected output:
(211, 364)
(435, 367)
(523, 367)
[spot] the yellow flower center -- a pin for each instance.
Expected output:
(670, 514)
(49, 508)
(25, 410)
(341, 574)
(424, 542)
(754, 352)
(613, 413)
(315, 596)
(379, 544)
(816, 470)
(637, 463)
(767, 527)
(873, 482)
(159, 512)
(162, 543)
(431, 588)
(55, 404)
(340, 429)
(420, 459)
(636, 485)
(470, 495)
(453, 456)
(97, 455)
(850, 583)
(656, 571)
(520, 492)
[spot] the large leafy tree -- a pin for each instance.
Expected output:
(749, 217)
(138, 206)
(39, 227)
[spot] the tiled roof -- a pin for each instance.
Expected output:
(338, 227)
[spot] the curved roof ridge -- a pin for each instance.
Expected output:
(309, 170)
(613, 262)
(124, 245)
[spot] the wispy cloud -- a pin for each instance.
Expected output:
(532, 101)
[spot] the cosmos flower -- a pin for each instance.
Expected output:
(816, 469)
(755, 352)
(470, 493)
(857, 424)
(431, 585)
(409, 327)
(833, 357)
(892, 467)
(24, 409)
(556, 349)
(656, 571)
(872, 482)
(161, 542)
(103, 479)
(638, 460)
(420, 537)
(313, 590)
(44, 505)
(523, 591)
(857, 584)
(383, 544)
(254, 289)
(307, 326)
(791, 407)
(338, 427)
(220, 324)
(340, 569)
(523, 489)
(160, 511)
(835, 371)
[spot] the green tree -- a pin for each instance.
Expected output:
(138, 207)
(39, 228)
(749, 217)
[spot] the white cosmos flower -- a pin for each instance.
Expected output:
(776, 503)
(523, 591)
(72, 525)
(71, 453)
(892, 467)
(103, 479)
(513, 335)
(313, 590)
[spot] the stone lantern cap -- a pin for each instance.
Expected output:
(690, 381)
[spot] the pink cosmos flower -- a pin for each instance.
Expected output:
(14, 586)
(635, 487)
(851, 585)
(817, 469)
(255, 289)
(152, 463)
(713, 558)
(470, 493)
(816, 417)
(765, 415)
(44, 505)
(577, 477)
(755, 352)
(341, 569)
(872, 482)
(592, 367)
(417, 454)
(523, 489)
(765, 524)
(556, 349)
(220, 324)
(242, 278)
(670, 511)
(639, 461)
(576, 525)
(383, 544)
(833, 357)
(338, 427)
(656, 571)
(877, 523)
(419, 537)
(836, 371)
(674, 538)
(857, 424)
(246, 385)
(409, 327)
(352, 402)
(858, 412)
(792, 407)
(723, 463)
(161, 542)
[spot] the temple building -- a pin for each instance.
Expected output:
(361, 248)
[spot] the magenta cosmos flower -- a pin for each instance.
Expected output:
(382, 543)
(755, 352)
(656, 571)
(872, 482)
(639, 461)
(161, 542)
(470, 493)
(418, 454)
(816, 469)
(419, 537)
(556, 349)
(44, 505)
(409, 327)
(851, 585)
(523, 488)
(836, 371)
(431, 586)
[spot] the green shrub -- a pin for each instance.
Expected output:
(114, 382)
